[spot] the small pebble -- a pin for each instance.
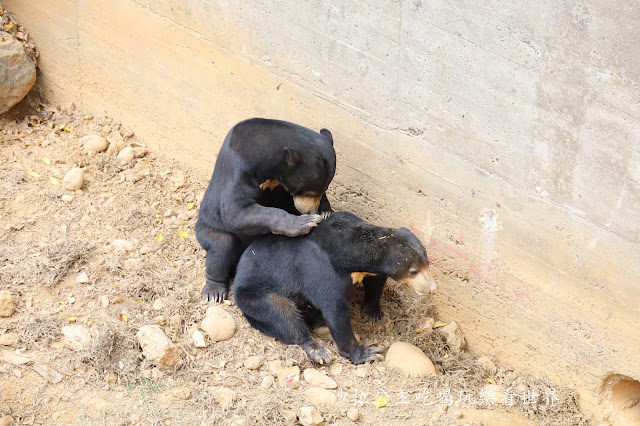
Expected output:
(82, 278)
(94, 143)
(253, 362)
(353, 414)
(125, 155)
(198, 339)
(7, 308)
(67, 198)
(74, 179)
(267, 382)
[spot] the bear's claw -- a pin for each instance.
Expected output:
(317, 353)
(214, 291)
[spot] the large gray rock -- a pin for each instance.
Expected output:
(17, 72)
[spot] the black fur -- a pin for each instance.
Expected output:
(235, 209)
(280, 280)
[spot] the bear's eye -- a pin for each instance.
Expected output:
(413, 272)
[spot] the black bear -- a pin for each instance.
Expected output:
(270, 177)
(281, 282)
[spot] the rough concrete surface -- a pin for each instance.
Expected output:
(506, 135)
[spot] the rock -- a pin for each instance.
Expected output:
(7, 308)
(410, 359)
(309, 416)
(198, 339)
(123, 245)
(353, 414)
(18, 72)
(67, 198)
(125, 156)
(455, 339)
(274, 365)
(335, 369)
(218, 324)
(104, 301)
(486, 363)
(158, 304)
(320, 396)
(316, 378)
(289, 416)
(74, 179)
(13, 358)
(253, 362)
(116, 143)
(77, 337)
(493, 394)
(157, 348)
(94, 143)
(225, 397)
(362, 371)
(118, 298)
(6, 420)
(82, 278)
(267, 382)
(289, 377)
(48, 373)
(111, 378)
(9, 339)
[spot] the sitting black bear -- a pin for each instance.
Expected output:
(280, 281)
(266, 174)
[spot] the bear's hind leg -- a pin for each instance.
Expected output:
(223, 252)
(279, 317)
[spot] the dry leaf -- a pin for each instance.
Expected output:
(46, 161)
(184, 234)
(33, 174)
(381, 401)
(54, 180)
(72, 319)
(123, 317)
(190, 206)
(159, 237)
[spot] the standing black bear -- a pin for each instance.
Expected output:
(279, 281)
(264, 169)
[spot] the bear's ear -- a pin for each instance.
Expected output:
(290, 156)
(327, 134)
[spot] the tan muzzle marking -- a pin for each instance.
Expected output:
(422, 283)
(306, 204)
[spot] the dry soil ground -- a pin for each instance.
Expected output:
(130, 229)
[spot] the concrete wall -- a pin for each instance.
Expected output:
(505, 134)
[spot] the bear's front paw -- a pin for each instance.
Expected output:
(363, 354)
(214, 291)
(371, 313)
(301, 225)
(316, 352)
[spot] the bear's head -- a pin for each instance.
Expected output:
(307, 171)
(408, 262)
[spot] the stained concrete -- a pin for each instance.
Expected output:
(505, 134)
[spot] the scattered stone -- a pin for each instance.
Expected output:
(274, 365)
(316, 378)
(13, 358)
(139, 151)
(118, 298)
(9, 339)
(7, 308)
(111, 378)
(289, 377)
(309, 416)
(335, 369)
(94, 143)
(427, 325)
(158, 304)
(320, 396)
(455, 338)
(225, 397)
(67, 198)
(198, 339)
(175, 322)
(104, 301)
(6, 420)
(157, 348)
(410, 359)
(267, 382)
(486, 363)
(218, 324)
(125, 156)
(18, 72)
(253, 362)
(123, 245)
(182, 393)
(362, 371)
(494, 394)
(48, 373)
(353, 414)
(77, 337)
(289, 416)
(74, 179)
(82, 278)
